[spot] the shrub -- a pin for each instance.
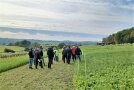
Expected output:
(6, 50)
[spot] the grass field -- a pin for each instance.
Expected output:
(60, 77)
(15, 48)
(106, 68)
(102, 68)
(12, 62)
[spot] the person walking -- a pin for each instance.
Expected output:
(50, 54)
(69, 53)
(64, 54)
(74, 53)
(78, 53)
(31, 58)
(38, 58)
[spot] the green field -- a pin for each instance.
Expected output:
(60, 77)
(15, 48)
(102, 68)
(12, 62)
(106, 68)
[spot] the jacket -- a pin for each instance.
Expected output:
(31, 54)
(50, 53)
(69, 51)
(64, 52)
(73, 50)
(78, 51)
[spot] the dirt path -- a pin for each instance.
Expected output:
(60, 77)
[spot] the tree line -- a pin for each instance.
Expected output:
(124, 36)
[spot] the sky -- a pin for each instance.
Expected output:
(75, 20)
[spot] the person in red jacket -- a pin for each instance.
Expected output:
(74, 53)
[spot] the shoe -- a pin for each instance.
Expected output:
(30, 68)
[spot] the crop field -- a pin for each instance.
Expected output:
(12, 62)
(15, 48)
(102, 68)
(105, 68)
(60, 77)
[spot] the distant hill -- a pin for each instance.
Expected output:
(124, 36)
(6, 41)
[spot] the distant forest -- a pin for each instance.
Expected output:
(124, 36)
(10, 41)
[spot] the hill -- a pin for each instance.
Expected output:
(6, 41)
(124, 36)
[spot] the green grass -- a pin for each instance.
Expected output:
(105, 68)
(15, 48)
(12, 62)
(60, 77)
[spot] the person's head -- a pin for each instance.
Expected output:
(50, 47)
(41, 47)
(31, 49)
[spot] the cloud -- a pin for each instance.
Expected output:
(80, 16)
(20, 35)
(50, 33)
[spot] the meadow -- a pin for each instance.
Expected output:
(105, 68)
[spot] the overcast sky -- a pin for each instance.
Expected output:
(89, 20)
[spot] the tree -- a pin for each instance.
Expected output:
(35, 44)
(24, 43)
(124, 36)
(60, 45)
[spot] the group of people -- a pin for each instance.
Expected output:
(36, 55)
(69, 53)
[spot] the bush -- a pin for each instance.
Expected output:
(6, 50)
(26, 49)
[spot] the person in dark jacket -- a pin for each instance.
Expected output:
(38, 58)
(78, 53)
(41, 53)
(64, 54)
(69, 53)
(50, 54)
(31, 58)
